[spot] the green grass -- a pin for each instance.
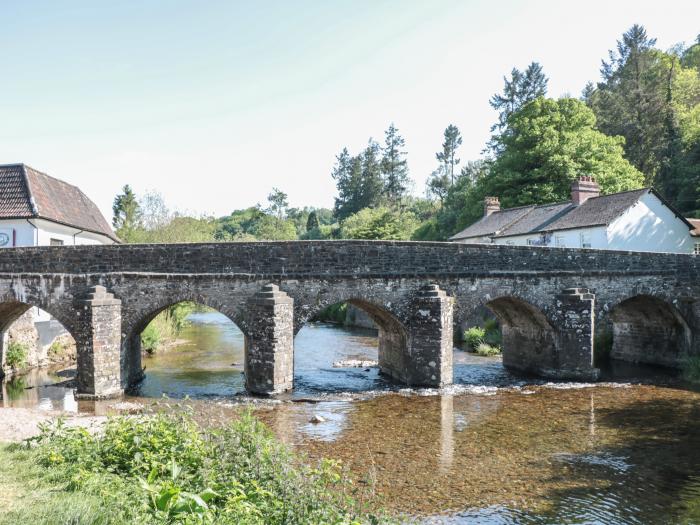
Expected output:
(163, 468)
(486, 350)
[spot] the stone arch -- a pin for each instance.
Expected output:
(529, 338)
(392, 334)
(11, 309)
(131, 367)
(649, 329)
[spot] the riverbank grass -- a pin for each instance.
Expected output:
(163, 468)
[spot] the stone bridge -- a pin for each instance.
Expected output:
(550, 302)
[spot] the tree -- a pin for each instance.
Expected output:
(438, 184)
(521, 88)
(278, 203)
(394, 166)
(126, 214)
(359, 180)
(549, 145)
(634, 100)
(379, 223)
(448, 155)
(312, 223)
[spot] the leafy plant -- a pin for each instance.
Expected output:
(474, 337)
(16, 356)
(486, 350)
(150, 338)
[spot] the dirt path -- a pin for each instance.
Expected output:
(17, 424)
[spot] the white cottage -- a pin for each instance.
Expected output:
(636, 220)
(39, 210)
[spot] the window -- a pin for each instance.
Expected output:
(696, 251)
(532, 242)
(585, 240)
(56, 242)
(559, 241)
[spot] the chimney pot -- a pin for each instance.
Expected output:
(491, 205)
(583, 189)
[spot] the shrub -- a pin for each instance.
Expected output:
(493, 332)
(485, 349)
(16, 356)
(474, 337)
(336, 313)
(150, 338)
(691, 369)
(238, 474)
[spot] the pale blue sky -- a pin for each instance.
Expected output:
(214, 103)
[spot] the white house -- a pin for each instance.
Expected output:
(39, 210)
(636, 220)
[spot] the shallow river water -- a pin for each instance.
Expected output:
(494, 448)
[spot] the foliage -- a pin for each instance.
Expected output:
(486, 350)
(474, 336)
(448, 156)
(254, 224)
(278, 203)
(15, 387)
(166, 326)
(548, 145)
(16, 355)
(312, 222)
(126, 214)
(379, 223)
(336, 313)
(394, 166)
(164, 469)
(523, 87)
(691, 369)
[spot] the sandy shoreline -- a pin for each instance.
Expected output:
(17, 424)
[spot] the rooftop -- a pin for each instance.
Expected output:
(595, 211)
(26, 193)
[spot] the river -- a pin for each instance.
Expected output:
(494, 448)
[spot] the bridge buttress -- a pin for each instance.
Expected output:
(575, 309)
(98, 340)
(430, 339)
(269, 354)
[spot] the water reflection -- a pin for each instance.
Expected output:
(496, 448)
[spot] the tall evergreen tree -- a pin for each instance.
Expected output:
(521, 88)
(448, 156)
(394, 166)
(126, 214)
(634, 100)
(312, 222)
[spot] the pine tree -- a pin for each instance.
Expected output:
(521, 88)
(312, 222)
(448, 155)
(394, 166)
(126, 214)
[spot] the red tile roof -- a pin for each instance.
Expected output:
(26, 193)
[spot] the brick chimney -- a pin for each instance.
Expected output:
(491, 204)
(583, 189)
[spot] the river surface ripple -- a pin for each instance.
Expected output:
(494, 448)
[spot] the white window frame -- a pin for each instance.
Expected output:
(56, 242)
(696, 249)
(559, 241)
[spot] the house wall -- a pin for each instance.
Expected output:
(475, 240)
(568, 238)
(39, 232)
(649, 226)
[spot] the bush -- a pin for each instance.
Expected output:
(474, 337)
(150, 338)
(691, 369)
(336, 313)
(179, 473)
(486, 350)
(493, 332)
(16, 356)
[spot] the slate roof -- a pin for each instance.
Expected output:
(596, 211)
(494, 223)
(26, 193)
